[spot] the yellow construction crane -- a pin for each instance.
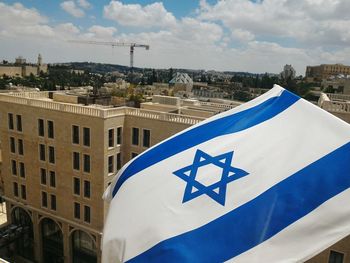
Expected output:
(115, 44)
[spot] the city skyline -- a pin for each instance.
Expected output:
(253, 36)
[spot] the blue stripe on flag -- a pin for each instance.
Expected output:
(261, 218)
(226, 125)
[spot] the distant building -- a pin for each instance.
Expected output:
(20, 60)
(189, 107)
(324, 71)
(22, 69)
(77, 71)
(182, 84)
(209, 92)
(339, 85)
(288, 72)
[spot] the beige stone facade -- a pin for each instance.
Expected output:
(11, 71)
(61, 157)
(21, 69)
(324, 71)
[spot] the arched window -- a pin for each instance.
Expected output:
(24, 244)
(52, 241)
(83, 248)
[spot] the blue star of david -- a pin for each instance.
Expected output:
(217, 190)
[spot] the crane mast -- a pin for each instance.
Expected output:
(116, 44)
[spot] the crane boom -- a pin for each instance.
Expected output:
(115, 44)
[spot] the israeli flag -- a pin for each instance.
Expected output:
(265, 182)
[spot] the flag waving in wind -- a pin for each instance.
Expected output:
(267, 181)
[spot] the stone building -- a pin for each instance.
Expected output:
(337, 85)
(324, 71)
(22, 69)
(182, 84)
(58, 157)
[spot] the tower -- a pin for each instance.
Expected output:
(40, 60)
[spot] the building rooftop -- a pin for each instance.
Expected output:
(337, 104)
(182, 78)
(45, 99)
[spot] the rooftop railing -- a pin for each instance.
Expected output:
(218, 105)
(339, 97)
(40, 100)
(334, 102)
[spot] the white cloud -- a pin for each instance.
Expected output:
(19, 15)
(265, 35)
(153, 15)
(71, 8)
(17, 20)
(242, 35)
(84, 4)
(102, 32)
(197, 32)
(305, 22)
(67, 30)
(203, 5)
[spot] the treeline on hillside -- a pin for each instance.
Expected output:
(57, 76)
(297, 86)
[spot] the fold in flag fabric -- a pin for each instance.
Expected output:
(267, 181)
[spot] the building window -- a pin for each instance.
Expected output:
(86, 136)
(14, 167)
(336, 257)
(41, 129)
(15, 189)
(119, 161)
(87, 189)
(23, 192)
(22, 170)
(76, 161)
(51, 154)
(52, 179)
(76, 186)
(50, 129)
(87, 214)
(119, 135)
(42, 155)
(133, 155)
(19, 122)
(43, 176)
(12, 145)
(111, 138)
(10, 121)
(53, 202)
(75, 134)
(43, 199)
(146, 142)
(110, 164)
(76, 210)
(20, 147)
(86, 163)
(135, 136)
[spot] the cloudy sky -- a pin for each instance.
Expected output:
(236, 35)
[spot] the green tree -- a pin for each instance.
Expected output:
(171, 74)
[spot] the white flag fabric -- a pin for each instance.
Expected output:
(267, 181)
